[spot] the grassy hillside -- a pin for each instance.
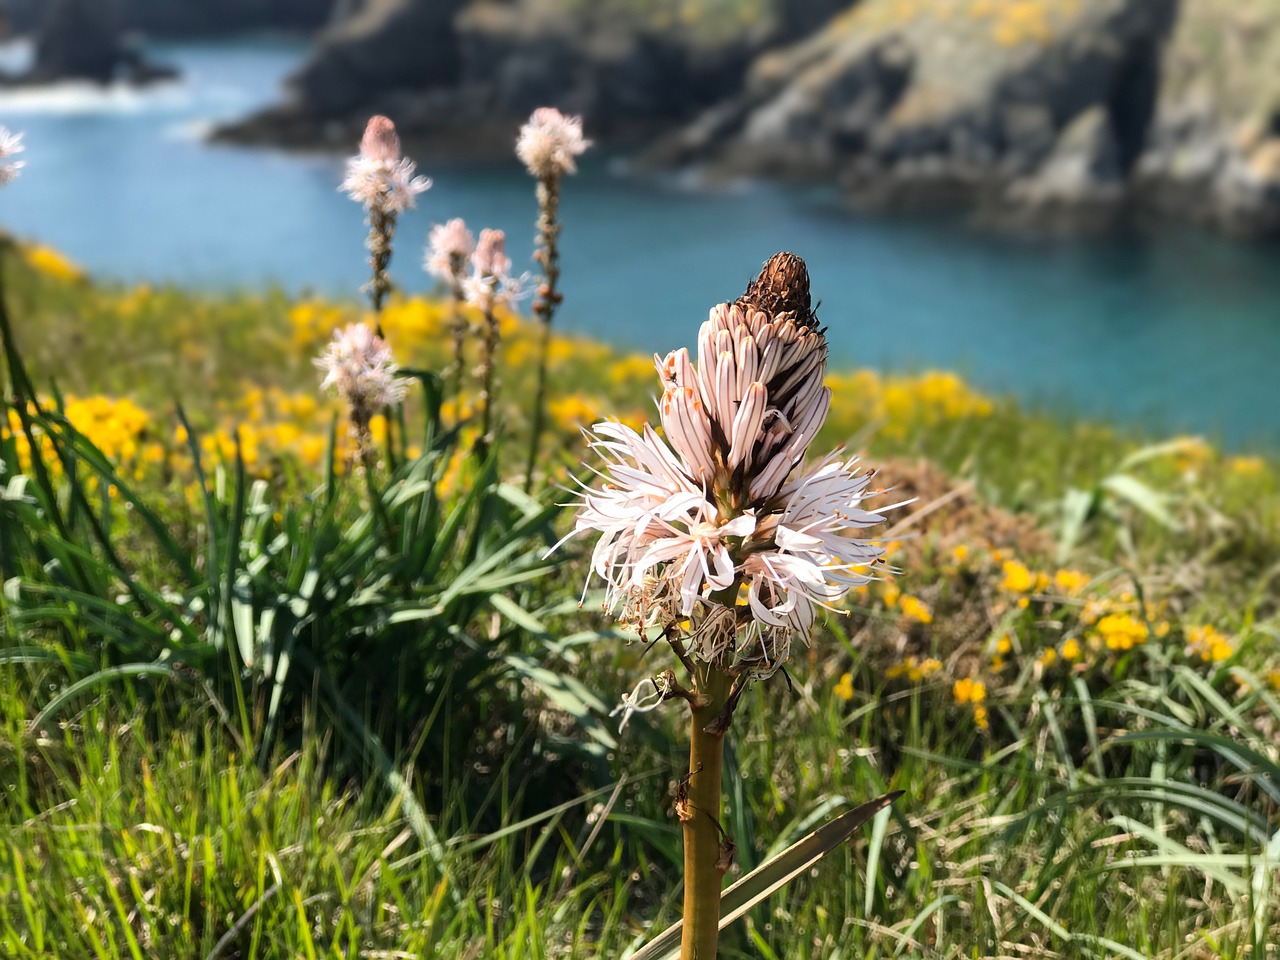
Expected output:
(257, 704)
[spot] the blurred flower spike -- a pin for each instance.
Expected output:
(549, 142)
(379, 178)
(449, 247)
(719, 509)
(359, 365)
(10, 144)
(490, 283)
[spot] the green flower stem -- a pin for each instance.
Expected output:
(544, 307)
(703, 877)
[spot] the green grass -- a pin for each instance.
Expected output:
(1124, 807)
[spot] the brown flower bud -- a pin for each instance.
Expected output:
(781, 288)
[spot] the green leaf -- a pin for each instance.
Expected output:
(772, 875)
(569, 694)
(1142, 497)
(98, 679)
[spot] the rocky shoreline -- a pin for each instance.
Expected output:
(1047, 115)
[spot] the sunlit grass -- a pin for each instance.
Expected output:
(1075, 677)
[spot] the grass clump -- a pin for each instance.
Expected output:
(256, 704)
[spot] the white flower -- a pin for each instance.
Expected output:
(449, 245)
(360, 366)
(379, 178)
(490, 282)
(715, 505)
(549, 142)
(10, 143)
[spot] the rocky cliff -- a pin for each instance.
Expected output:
(1051, 114)
(460, 76)
(78, 39)
(191, 17)
(1212, 149)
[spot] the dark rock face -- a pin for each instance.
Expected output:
(930, 110)
(462, 76)
(188, 17)
(78, 39)
(1043, 114)
(383, 45)
(1213, 148)
(1070, 115)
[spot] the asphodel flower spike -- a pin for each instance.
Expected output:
(720, 502)
(715, 538)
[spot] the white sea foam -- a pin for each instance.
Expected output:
(76, 97)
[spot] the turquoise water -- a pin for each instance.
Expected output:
(1176, 331)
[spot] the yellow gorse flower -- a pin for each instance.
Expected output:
(1209, 644)
(844, 687)
(914, 669)
(1070, 583)
(1017, 578)
(968, 690)
(913, 608)
(1121, 632)
(51, 263)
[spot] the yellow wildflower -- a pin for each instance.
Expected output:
(844, 687)
(967, 690)
(1120, 631)
(890, 593)
(51, 263)
(631, 369)
(1071, 649)
(1070, 583)
(960, 553)
(572, 412)
(914, 669)
(980, 718)
(1246, 466)
(1004, 645)
(914, 609)
(1048, 657)
(1209, 644)
(1191, 452)
(1017, 578)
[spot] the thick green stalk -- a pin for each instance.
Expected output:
(703, 876)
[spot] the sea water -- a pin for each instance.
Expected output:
(1177, 331)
